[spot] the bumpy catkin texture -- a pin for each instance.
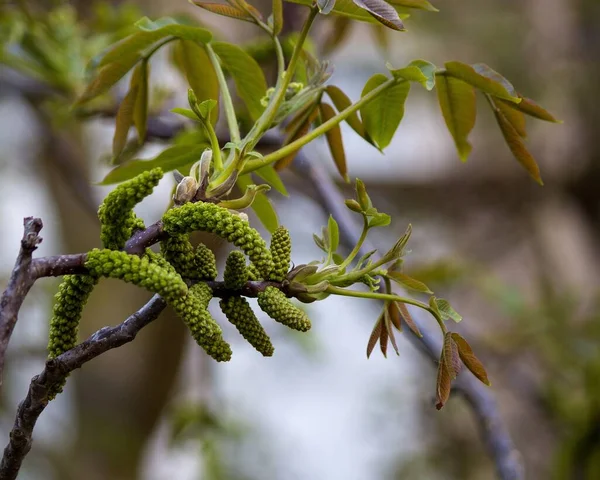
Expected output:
(116, 215)
(281, 251)
(159, 259)
(205, 262)
(179, 252)
(275, 304)
(236, 273)
(72, 296)
(253, 273)
(239, 312)
(137, 270)
(209, 217)
(193, 311)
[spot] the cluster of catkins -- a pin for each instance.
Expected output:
(181, 273)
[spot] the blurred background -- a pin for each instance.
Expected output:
(518, 261)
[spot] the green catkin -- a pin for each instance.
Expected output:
(274, 303)
(281, 252)
(236, 273)
(72, 296)
(179, 252)
(136, 270)
(211, 218)
(239, 312)
(193, 310)
(253, 273)
(159, 259)
(116, 212)
(206, 263)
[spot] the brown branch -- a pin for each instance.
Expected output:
(496, 437)
(18, 286)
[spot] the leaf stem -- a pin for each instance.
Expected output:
(266, 119)
(234, 130)
(358, 245)
(378, 296)
(257, 163)
(214, 144)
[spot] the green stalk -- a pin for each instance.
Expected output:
(378, 296)
(257, 163)
(234, 130)
(214, 144)
(266, 119)
(356, 248)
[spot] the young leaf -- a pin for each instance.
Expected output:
(334, 233)
(388, 327)
(419, 71)
(301, 131)
(262, 206)
(170, 159)
(517, 147)
(226, 10)
(451, 357)
(444, 382)
(408, 282)
(448, 313)
(418, 4)
(341, 102)
(375, 334)
(470, 360)
(395, 315)
(407, 317)
(334, 140)
(529, 107)
(383, 338)
(382, 12)
(363, 197)
(380, 220)
(199, 72)
(269, 175)
(383, 114)
(320, 243)
(140, 111)
(185, 112)
(350, 9)
(249, 78)
(124, 120)
(277, 16)
(514, 116)
(325, 6)
(483, 78)
(458, 104)
(353, 205)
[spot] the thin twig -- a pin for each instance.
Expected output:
(507, 459)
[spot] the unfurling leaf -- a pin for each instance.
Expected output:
(247, 75)
(226, 10)
(448, 313)
(140, 110)
(451, 356)
(334, 233)
(199, 72)
(483, 78)
(361, 194)
(302, 130)
(382, 115)
(246, 199)
(269, 175)
(514, 116)
(458, 104)
(277, 16)
(124, 120)
(407, 317)
(408, 282)
(380, 220)
(470, 360)
(517, 147)
(419, 71)
(382, 12)
(529, 107)
(334, 140)
(383, 337)
(341, 102)
(444, 384)
(389, 327)
(395, 315)
(375, 334)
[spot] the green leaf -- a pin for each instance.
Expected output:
(334, 233)
(448, 313)
(380, 220)
(170, 159)
(140, 111)
(334, 140)
(517, 147)
(341, 102)
(382, 115)
(124, 120)
(459, 108)
(320, 243)
(419, 71)
(185, 112)
(325, 6)
(226, 10)
(348, 8)
(249, 79)
(470, 360)
(483, 78)
(529, 107)
(514, 116)
(383, 12)
(199, 72)
(206, 107)
(277, 16)
(408, 282)
(418, 4)
(262, 206)
(269, 175)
